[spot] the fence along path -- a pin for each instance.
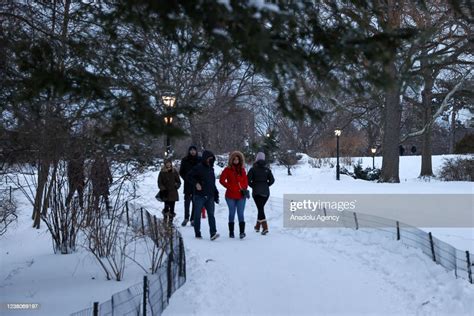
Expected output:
(451, 258)
(151, 296)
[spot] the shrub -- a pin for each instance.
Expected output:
(8, 210)
(367, 173)
(465, 145)
(457, 169)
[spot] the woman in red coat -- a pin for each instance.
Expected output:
(234, 179)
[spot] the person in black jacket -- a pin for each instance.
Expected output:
(187, 163)
(203, 180)
(260, 179)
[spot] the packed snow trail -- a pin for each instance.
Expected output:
(311, 272)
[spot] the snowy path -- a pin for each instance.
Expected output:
(311, 272)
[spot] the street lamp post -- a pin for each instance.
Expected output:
(337, 132)
(169, 102)
(373, 150)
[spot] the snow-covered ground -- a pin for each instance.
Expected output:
(287, 272)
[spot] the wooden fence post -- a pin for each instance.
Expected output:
(145, 293)
(182, 262)
(432, 246)
(398, 230)
(169, 277)
(143, 224)
(95, 309)
(155, 223)
(126, 210)
(469, 269)
(356, 221)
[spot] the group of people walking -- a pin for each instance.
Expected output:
(200, 189)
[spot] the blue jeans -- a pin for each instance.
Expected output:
(236, 205)
(198, 203)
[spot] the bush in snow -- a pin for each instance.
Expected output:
(366, 174)
(321, 162)
(346, 161)
(62, 219)
(457, 169)
(288, 158)
(7, 210)
(108, 235)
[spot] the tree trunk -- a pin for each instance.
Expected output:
(391, 135)
(452, 131)
(426, 148)
(43, 171)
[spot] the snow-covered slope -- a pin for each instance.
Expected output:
(313, 272)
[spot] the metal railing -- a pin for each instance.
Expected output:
(151, 296)
(442, 253)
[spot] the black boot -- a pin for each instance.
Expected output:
(242, 230)
(231, 230)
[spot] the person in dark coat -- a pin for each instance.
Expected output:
(187, 163)
(260, 179)
(169, 182)
(101, 178)
(401, 150)
(203, 180)
(76, 177)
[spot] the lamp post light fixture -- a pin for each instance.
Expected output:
(373, 150)
(168, 120)
(169, 101)
(337, 132)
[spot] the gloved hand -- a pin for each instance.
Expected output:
(216, 199)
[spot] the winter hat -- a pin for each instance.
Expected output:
(236, 154)
(206, 154)
(260, 156)
(192, 147)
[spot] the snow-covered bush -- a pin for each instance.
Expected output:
(62, 218)
(289, 158)
(457, 169)
(7, 210)
(368, 173)
(346, 161)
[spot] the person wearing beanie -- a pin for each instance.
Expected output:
(260, 156)
(260, 179)
(234, 179)
(187, 163)
(203, 181)
(169, 182)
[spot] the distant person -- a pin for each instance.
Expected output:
(260, 179)
(187, 163)
(101, 178)
(76, 177)
(401, 150)
(205, 194)
(413, 150)
(169, 183)
(234, 179)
